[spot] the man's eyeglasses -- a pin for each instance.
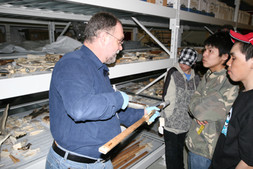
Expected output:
(119, 41)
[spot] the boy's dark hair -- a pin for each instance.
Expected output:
(226, 28)
(246, 49)
(222, 41)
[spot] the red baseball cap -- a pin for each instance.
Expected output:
(248, 38)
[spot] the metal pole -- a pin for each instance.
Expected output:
(51, 29)
(65, 29)
(237, 5)
(174, 26)
(144, 35)
(150, 84)
(152, 36)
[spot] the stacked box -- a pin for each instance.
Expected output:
(151, 1)
(184, 4)
(158, 2)
(239, 16)
(221, 10)
(226, 12)
(194, 5)
(203, 6)
(231, 12)
(244, 17)
(251, 20)
(161, 2)
(170, 3)
(213, 7)
(190, 5)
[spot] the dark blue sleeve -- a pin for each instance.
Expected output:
(129, 116)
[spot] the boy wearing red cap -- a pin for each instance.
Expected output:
(234, 148)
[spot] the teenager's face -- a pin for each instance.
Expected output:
(238, 67)
(212, 60)
(185, 68)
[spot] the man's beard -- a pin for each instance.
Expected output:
(111, 60)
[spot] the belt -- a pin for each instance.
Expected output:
(72, 157)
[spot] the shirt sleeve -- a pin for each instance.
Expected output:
(214, 105)
(129, 116)
(196, 99)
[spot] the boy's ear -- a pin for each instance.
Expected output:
(251, 63)
(224, 57)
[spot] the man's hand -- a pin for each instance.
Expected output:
(149, 110)
(126, 100)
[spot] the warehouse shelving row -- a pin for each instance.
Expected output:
(61, 11)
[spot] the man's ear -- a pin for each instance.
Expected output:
(103, 38)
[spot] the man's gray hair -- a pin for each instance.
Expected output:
(102, 21)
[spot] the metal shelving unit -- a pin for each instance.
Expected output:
(29, 84)
(64, 11)
(60, 11)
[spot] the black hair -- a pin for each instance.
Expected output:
(222, 41)
(226, 28)
(246, 49)
(99, 22)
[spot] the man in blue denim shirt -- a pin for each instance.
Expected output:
(85, 111)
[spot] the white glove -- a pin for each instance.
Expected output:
(161, 125)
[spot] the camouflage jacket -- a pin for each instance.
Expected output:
(211, 102)
(179, 92)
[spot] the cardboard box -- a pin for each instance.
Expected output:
(244, 17)
(190, 5)
(158, 2)
(194, 4)
(151, 1)
(213, 7)
(221, 10)
(184, 3)
(203, 5)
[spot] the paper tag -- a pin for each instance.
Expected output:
(200, 129)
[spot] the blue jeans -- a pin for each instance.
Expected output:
(54, 161)
(197, 161)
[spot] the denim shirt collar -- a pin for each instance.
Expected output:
(95, 59)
